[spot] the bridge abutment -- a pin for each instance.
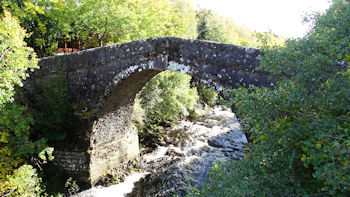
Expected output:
(120, 144)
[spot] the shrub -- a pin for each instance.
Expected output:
(23, 182)
(207, 95)
(300, 129)
(15, 145)
(165, 98)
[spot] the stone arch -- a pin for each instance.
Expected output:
(107, 79)
(114, 130)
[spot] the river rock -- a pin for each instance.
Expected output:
(193, 147)
(215, 137)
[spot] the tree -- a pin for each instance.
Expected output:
(165, 98)
(97, 23)
(300, 129)
(117, 21)
(15, 57)
(168, 96)
(63, 16)
(104, 20)
(15, 146)
(268, 39)
(208, 28)
(34, 16)
(185, 23)
(214, 27)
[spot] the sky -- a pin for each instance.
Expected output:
(282, 17)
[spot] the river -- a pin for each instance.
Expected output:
(192, 148)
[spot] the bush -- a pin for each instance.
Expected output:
(168, 97)
(300, 129)
(15, 145)
(207, 95)
(23, 182)
(165, 98)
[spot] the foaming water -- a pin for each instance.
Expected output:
(120, 189)
(193, 147)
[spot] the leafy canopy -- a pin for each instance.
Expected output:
(100, 22)
(23, 182)
(118, 21)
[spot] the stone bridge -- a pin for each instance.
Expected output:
(108, 78)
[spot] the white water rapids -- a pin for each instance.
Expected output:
(193, 147)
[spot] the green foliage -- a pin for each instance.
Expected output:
(207, 95)
(209, 29)
(165, 98)
(150, 135)
(46, 154)
(71, 186)
(100, 22)
(17, 149)
(214, 27)
(54, 179)
(184, 22)
(34, 16)
(168, 97)
(268, 39)
(53, 113)
(23, 182)
(110, 21)
(300, 129)
(15, 145)
(15, 57)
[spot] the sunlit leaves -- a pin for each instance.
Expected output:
(23, 182)
(118, 21)
(168, 97)
(15, 57)
(46, 154)
(299, 129)
(14, 144)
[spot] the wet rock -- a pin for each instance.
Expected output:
(193, 147)
(217, 137)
